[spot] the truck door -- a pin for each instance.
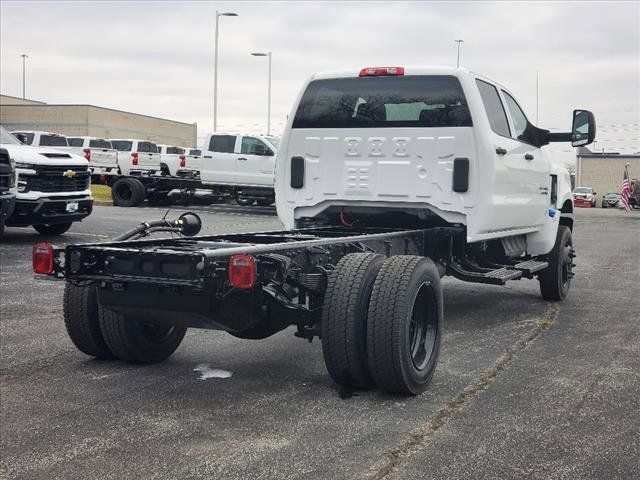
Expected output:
(219, 160)
(256, 162)
(517, 198)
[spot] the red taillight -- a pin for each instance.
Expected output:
(87, 154)
(381, 71)
(42, 258)
(242, 271)
(134, 158)
(183, 161)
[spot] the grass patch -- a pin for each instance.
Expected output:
(102, 193)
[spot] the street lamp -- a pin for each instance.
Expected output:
(267, 54)
(24, 58)
(458, 61)
(215, 68)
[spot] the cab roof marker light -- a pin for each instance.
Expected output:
(381, 71)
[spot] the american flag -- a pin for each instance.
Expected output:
(625, 190)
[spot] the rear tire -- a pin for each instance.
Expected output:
(55, 229)
(128, 192)
(344, 319)
(136, 341)
(405, 324)
(555, 280)
(80, 307)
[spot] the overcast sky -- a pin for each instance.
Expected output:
(156, 58)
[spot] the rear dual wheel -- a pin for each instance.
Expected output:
(108, 335)
(128, 192)
(382, 322)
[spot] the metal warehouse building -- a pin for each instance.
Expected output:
(19, 114)
(603, 171)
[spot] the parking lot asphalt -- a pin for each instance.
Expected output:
(523, 389)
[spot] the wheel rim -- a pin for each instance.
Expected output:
(566, 268)
(157, 333)
(423, 329)
(125, 192)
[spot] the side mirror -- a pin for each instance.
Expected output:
(189, 223)
(583, 130)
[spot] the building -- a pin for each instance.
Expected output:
(603, 171)
(21, 114)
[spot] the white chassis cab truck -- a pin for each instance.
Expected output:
(387, 178)
(241, 165)
(52, 187)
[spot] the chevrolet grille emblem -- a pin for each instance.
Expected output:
(69, 174)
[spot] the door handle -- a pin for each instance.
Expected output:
(528, 156)
(242, 159)
(501, 151)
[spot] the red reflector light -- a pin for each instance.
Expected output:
(381, 71)
(183, 162)
(134, 158)
(87, 154)
(42, 258)
(242, 271)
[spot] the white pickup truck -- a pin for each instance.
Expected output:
(176, 162)
(53, 186)
(387, 179)
(243, 164)
(102, 157)
(136, 157)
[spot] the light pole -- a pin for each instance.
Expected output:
(24, 59)
(458, 61)
(267, 54)
(215, 67)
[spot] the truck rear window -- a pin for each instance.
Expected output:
(175, 151)
(53, 141)
(147, 147)
(75, 142)
(99, 143)
(197, 153)
(383, 102)
(121, 145)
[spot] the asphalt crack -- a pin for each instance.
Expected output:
(397, 456)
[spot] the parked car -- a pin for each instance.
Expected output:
(7, 187)
(176, 162)
(136, 157)
(584, 197)
(99, 152)
(53, 186)
(41, 139)
(611, 200)
(245, 162)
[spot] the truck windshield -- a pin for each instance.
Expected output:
(382, 102)
(99, 143)
(121, 145)
(6, 137)
(53, 141)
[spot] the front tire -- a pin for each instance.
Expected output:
(405, 324)
(136, 341)
(80, 307)
(344, 319)
(55, 229)
(555, 280)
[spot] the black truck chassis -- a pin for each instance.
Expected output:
(184, 282)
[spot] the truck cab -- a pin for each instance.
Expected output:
(7, 187)
(99, 152)
(136, 157)
(427, 144)
(52, 185)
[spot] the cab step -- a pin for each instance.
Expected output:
(498, 276)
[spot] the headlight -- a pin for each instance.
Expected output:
(26, 166)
